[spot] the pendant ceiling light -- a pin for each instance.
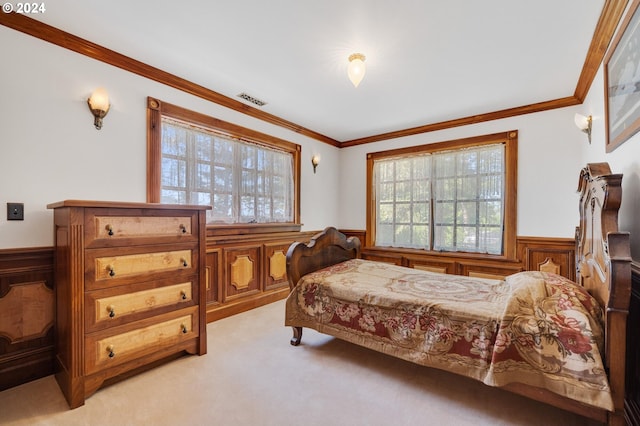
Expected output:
(356, 68)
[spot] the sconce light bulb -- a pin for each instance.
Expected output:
(315, 160)
(584, 124)
(99, 105)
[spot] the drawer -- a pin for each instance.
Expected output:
(111, 307)
(139, 339)
(108, 268)
(113, 227)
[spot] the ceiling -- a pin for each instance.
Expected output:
(427, 61)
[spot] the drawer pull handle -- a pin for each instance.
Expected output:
(109, 230)
(112, 272)
(183, 229)
(111, 351)
(112, 311)
(184, 262)
(183, 295)
(184, 329)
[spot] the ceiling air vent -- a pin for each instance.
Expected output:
(251, 99)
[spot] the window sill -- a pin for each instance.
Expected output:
(217, 230)
(443, 254)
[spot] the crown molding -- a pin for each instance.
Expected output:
(612, 12)
(35, 28)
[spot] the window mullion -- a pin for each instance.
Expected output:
(236, 182)
(411, 202)
(432, 211)
(212, 168)
(395, 202)
(456, 173)
(254, 175)
(478, 198)
(191, 165)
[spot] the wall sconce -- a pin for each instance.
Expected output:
(356, 68)
(99, 105)
(315, 160)
(584, 124)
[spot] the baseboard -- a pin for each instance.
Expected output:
(25, 367)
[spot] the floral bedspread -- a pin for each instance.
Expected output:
(534, 328)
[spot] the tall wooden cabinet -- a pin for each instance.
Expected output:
(130, 289)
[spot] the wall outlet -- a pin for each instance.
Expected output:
(15, 211)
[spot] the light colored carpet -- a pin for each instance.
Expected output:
(253, 376)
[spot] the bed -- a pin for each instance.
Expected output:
(534, 333)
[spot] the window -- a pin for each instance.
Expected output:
(456, 196)
(246, 177)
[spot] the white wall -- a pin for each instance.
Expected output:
(50, 151)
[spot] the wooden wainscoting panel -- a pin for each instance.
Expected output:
(242, 267)
(431, 264)
(251, 260)
(425, 267)
(490, 271)
(556, 255)
(383, 256)
(278, 266)
(275, 262)
(27, 304)
(242, 272)
(26, 311)
(213, 272)
(488, 276)
(549, 266)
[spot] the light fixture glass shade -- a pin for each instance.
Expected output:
(581, 121)
(356, 68)
(99, 99)
(315, 160)
(99, 105)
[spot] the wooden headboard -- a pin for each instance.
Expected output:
(603, 263)
(325, 249)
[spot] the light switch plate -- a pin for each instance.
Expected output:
(15, 211)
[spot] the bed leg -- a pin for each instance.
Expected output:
(297, 336)
(616, 418)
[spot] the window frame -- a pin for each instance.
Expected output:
(510, 140)
(156, 109)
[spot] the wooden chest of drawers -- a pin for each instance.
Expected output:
(130, 289)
